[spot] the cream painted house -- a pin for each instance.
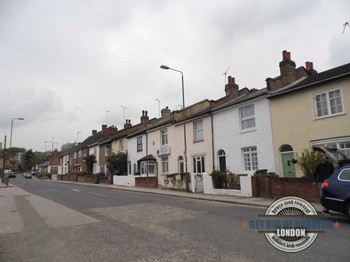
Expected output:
(308, 108)
(167, 144)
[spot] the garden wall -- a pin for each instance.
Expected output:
(149, 182)
(277, 187)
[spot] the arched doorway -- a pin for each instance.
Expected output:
(222, 160)
(287, 157)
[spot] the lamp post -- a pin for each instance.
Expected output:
(16, 118)
(51, 142)
(184, 122)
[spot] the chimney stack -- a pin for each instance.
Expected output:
(127, 124)
(94, 132)
(144, 117)
(165, 113)
(231, 88)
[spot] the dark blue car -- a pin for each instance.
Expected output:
(336, 189)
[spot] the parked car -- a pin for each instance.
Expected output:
(27, 175)
(336, 189)
(10, 173)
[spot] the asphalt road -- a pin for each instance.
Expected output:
(68, 222)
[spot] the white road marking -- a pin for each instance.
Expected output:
(97, 194)
(76, 190)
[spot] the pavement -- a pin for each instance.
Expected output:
(248, 201)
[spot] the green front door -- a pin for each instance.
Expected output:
(288, 168)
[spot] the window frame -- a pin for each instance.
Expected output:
(139, 144)
(165, 165)
(198, 133)
(328, 103)
(198, 160)
(164, 137)
(252, 153)
(245, 119)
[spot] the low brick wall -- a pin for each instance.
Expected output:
(300, 187)
(283, 186)
(149, 182)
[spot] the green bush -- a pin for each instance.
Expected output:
(308, 161)
(219, 178)
(43, 175)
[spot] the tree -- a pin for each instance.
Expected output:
(29, 160)
(118, 163)
(308, 161)
(90, 160)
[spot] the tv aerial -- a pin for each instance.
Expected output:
(225, 75)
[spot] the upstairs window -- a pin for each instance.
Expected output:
(139, 144)
(247, 117)
(198, 131)
(329, 103)
(164, 136)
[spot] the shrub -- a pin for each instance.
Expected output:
(308, 161)
(219, 178)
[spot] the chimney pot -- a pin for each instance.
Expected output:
(284, 55)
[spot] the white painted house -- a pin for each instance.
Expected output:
(242, 132)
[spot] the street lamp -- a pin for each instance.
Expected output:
(52, 143)
(16, 118)
(184, 121)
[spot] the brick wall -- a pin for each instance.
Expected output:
(150, 182)
(283, 186)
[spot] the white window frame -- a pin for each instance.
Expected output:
(247, 118)
(198, 131)
(198, 160)
(164, 136)
(324, 108)
(250, 158)
(165, 165)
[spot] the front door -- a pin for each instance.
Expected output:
(288, 167)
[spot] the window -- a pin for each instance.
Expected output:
(75, 155)
(329, 103)
(198, 165)
(151, 167)
(129, 167)
(198, 131)
(164, 136)
(95, 150)
(107, 150)
(345, 175)
(250, 158)
(165, 165)
(222, 160)
(79, 153)
(139, 144)
(121, 146)
(247, 117)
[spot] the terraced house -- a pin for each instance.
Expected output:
(244, 131)
(308, 108)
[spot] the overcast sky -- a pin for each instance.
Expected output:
(64, 63)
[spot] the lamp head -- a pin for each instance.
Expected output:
(164, 67)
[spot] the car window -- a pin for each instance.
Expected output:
(345, 174)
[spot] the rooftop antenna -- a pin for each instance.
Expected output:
(225, 75)
(158, 106)
(124, 112)
(107, 111)
(344, 26)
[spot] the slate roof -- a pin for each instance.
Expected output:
(316, 79)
